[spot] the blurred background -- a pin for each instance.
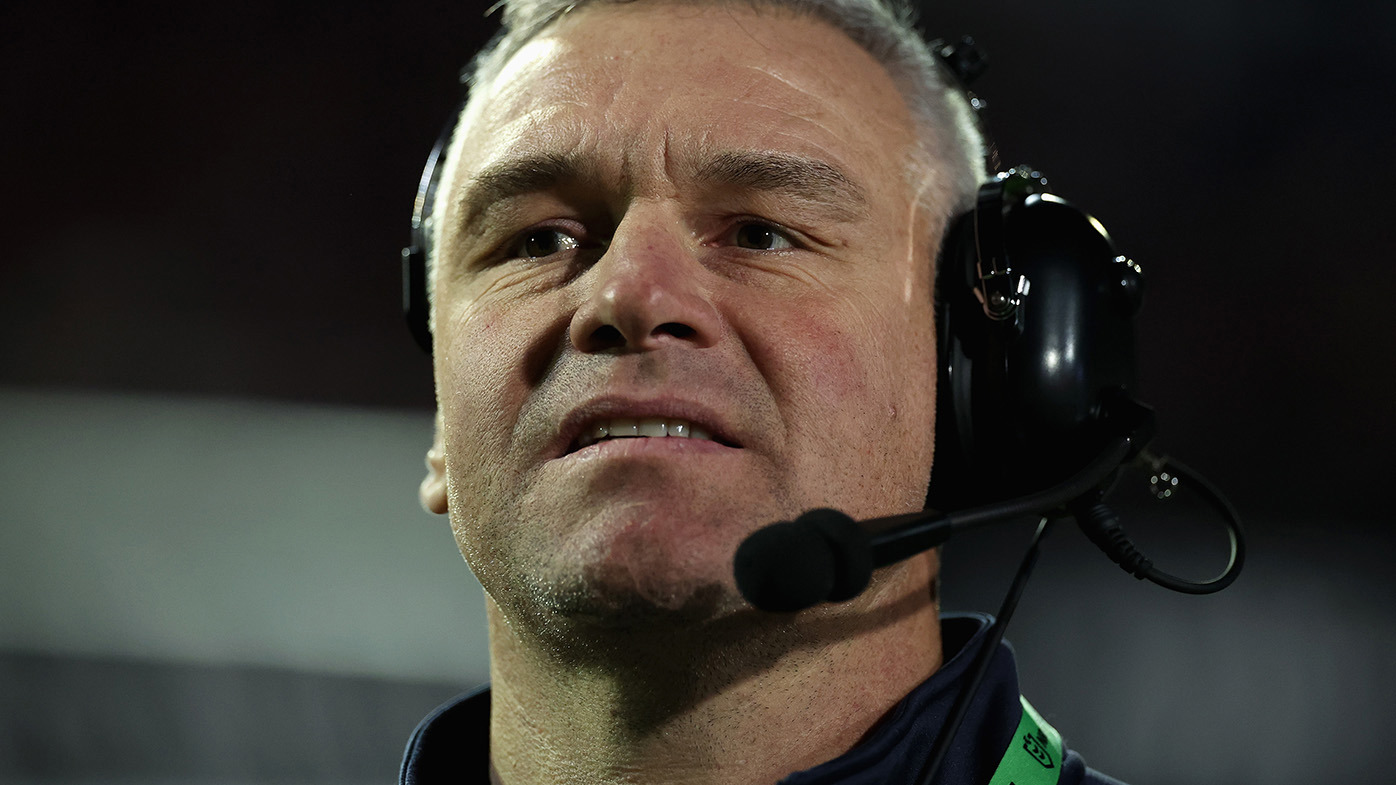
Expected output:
(213, 568)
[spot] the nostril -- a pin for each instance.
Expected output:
(676, 329)
(606, 336)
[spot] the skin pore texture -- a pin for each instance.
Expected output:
(696, 212)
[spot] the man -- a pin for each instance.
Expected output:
(682, 287)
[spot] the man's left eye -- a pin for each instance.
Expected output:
(762, 237)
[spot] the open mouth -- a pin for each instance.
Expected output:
(643, 428)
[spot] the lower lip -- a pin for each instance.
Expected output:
(647, 446)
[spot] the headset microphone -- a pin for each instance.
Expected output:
(826, 556)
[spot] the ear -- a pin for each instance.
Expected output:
(433, 489)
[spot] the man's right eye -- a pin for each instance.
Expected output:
(539, 243)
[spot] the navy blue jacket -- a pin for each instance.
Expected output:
(452, 744)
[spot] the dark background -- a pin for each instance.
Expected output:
(209, 199)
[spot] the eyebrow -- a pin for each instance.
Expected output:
(512, 178)
(807, 179)
(811, 180)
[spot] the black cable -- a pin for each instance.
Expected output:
(986, 653)
(1102, 526)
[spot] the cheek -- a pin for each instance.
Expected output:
(480, 389)
(858, 388)
(825, 353)
(869, 355)
(480, 357)
(491, 344)
(470, 363)
(830, 373)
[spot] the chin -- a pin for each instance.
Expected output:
(612, 607)
(649, 568)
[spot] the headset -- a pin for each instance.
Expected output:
(1034, 321)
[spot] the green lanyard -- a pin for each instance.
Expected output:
(1034, 756)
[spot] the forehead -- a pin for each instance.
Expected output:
(634, 85)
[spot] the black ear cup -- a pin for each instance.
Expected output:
(1035, 320)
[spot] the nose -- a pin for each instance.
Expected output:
(647, 292)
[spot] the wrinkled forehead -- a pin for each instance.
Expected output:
(692, 74)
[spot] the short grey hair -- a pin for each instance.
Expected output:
(946, 167)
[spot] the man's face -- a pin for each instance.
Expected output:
(689, 215)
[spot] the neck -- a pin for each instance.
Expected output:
(747, 698)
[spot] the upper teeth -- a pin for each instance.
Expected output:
(623, 427)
